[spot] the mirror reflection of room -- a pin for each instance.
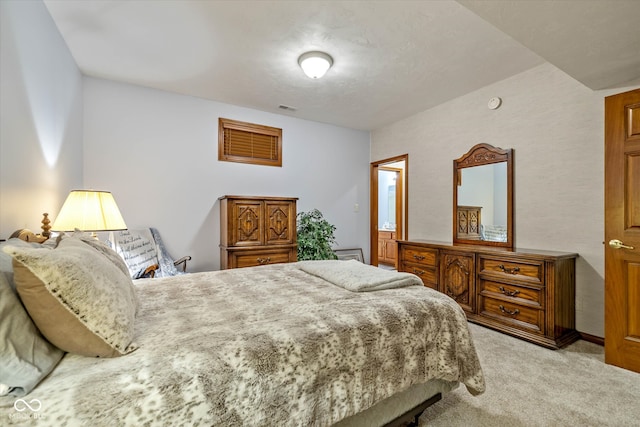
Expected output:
(483, 197)
(482, 192)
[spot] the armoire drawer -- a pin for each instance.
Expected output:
(528, 295)
(240, 259)
(511, 269)
(417, 255)
(511, 314)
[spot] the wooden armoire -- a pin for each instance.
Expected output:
(256, 230)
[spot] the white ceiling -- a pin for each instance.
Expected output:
(392, 59)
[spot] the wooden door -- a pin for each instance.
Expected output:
(248, 223)
(622, 230)
(281, 222)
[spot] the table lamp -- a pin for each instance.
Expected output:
(91, 211)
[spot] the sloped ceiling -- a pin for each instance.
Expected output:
(392, 59)
(595, 42)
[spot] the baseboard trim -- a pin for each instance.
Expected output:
(591, 338)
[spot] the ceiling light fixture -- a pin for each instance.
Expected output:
(315, 64)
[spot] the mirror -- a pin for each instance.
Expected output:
(387, 178)
(391, 203)
(483, 197)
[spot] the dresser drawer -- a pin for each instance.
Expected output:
(418, 255)
(429, 275)
(532, 296)
(510, 269)
(240, 259)
(515, 315)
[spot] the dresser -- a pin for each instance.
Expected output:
(529, 294)
(257, 230)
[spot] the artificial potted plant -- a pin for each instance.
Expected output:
(315, 236)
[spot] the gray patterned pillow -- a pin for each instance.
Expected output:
(79, 299)
(25, 356)
(99, 246)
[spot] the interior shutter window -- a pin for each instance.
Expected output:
(249, 143)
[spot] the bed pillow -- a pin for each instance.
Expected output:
(26, 357)
(137, 248)
(494, 233)
(81, 302)
(99, 246)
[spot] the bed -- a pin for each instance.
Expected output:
(314, 343)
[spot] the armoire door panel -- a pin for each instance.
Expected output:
(247, 223)
(281, 222)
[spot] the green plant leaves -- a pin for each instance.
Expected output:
(315, 236)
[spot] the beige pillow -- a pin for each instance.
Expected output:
(79, 300)
(99, 246)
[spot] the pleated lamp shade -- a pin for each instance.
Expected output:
(89, 210)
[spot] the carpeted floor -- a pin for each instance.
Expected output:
(528, 385)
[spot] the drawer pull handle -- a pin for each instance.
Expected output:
(506, 311)
(513, 270)
(418, 272)
(263, 261)
(418, 257)
(507, 292)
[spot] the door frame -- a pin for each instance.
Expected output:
(373, 197)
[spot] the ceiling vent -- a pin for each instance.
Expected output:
(287, 107)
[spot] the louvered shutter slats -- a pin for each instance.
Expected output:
(249, 143)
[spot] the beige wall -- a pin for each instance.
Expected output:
(555, 126)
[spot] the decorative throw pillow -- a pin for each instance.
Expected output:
(137, 248)
(99, 246)
(80, 301)
(25, 356)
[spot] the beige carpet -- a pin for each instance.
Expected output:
(528, 385)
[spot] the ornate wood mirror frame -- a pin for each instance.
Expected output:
(468, 227)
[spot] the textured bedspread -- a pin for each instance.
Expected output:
(263, 346)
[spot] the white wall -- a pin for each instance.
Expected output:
(40, 117)
(555, 126)
(553, 122)
(157, 153)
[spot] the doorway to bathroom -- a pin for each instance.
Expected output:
(388, 217)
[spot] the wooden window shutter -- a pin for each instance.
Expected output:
(249, 143)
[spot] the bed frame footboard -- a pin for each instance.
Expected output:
(410, 418)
